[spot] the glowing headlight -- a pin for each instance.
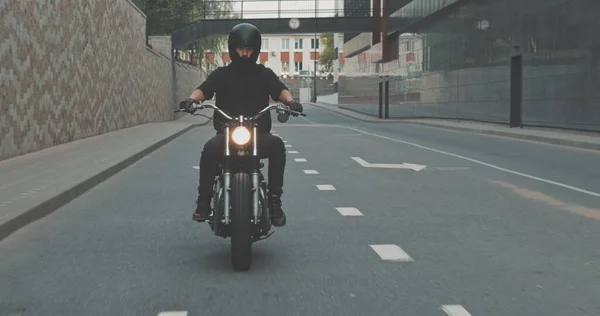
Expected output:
(240, 135)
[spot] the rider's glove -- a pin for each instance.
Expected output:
(295, 106)
(186, 104)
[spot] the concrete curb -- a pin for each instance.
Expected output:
(537, 138)
(49, 206)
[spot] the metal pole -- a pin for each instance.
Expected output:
(381, 99)
(314, 94)
(387, 98)
(516, 91)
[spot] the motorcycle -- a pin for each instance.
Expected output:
(239, 202)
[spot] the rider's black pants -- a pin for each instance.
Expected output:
(269, 146)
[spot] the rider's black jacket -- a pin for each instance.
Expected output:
(242, 92)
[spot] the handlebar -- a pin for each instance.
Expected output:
(278, 106)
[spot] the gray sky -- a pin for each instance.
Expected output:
(254, 9)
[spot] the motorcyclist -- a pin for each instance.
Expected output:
(243, 87)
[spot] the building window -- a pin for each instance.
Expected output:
(285, 43)
(265, 44)
(285, 66)
(298, 43)
(298, 66)
(312, 43)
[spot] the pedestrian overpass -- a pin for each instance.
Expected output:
(204, 28)
(284, 17)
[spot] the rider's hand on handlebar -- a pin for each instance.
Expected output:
(296, 107)
(187, 104)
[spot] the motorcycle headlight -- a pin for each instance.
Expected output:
(240, 135)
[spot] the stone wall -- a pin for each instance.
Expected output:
(72, 69)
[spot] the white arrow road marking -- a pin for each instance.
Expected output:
(446, 168)
(566, 186)
(405, 165)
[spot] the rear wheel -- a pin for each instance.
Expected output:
(241, 230)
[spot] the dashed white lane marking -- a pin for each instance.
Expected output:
(455, 310)
(288, 145)
(292, 152)
(300, 159)
(391, 253)
(566, 186)
(311, 172)
(183, 313)
(285, 141)
(275, 134)
(349, 211)
(196, 167)
(325, 187)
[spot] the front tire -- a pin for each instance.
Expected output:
(241, 230)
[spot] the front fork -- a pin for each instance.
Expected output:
(227, 183)
(255, 181)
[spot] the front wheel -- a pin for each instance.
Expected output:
(241, 213)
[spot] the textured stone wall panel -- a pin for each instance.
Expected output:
(71, 69)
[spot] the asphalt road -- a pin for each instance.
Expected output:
(491, 226)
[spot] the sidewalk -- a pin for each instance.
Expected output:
(36, 184)
(585, 140)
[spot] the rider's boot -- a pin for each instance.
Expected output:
(202, 212)
(278, 218)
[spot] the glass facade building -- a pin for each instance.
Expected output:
(456, 64)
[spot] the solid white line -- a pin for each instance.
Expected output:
(325, 187)
(311, 122)
(455, 310)
(184, 313)
(349, 211)
(300, 159)
(391, 253)
(566, 186)
(311, 172)
(292, 152)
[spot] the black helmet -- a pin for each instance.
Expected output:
(244, 34)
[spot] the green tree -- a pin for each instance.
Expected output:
(327, 56)
(166, 16)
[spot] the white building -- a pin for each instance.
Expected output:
(286, 54)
